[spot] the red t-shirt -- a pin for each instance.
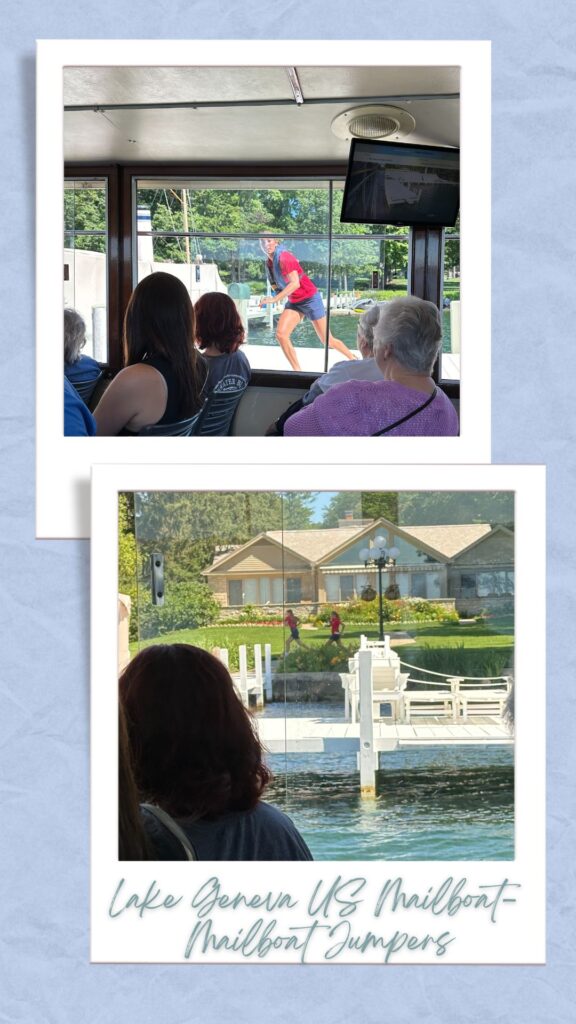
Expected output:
(335, 623)
(288, 263)
(290, 621)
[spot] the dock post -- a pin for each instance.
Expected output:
(258, 673)
(243, 664)
(367, 759)
(268, 671)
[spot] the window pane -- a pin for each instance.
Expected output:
(207, 234)
(293, 589)
(85, 261)
(450, 363)
(235, 591)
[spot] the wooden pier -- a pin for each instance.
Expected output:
(331, 736)
(380, 715)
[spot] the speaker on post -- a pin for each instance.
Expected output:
(157, 577)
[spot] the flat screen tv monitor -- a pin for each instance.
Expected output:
(401, 183)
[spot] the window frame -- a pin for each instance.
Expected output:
(109, 173)
(425, 245)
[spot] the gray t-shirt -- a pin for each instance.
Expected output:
(227, 372)
(264, 833)
(348, 369)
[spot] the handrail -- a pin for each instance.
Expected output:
(447, 675)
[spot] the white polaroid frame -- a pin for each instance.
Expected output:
(510, 930)
(63, 463)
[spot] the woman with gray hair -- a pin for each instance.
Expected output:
(404, 401)
(77, 367)
(356, 369)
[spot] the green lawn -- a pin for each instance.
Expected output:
(483, 639)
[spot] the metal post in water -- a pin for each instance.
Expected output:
(367, 755)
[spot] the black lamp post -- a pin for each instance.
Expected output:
(383, 558)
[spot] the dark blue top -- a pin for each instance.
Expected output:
(227, 372)
(85, 368)
(264, 833)
(78, 420)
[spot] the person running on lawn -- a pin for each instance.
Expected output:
(291, 621)
(289, 281)
(336, 628)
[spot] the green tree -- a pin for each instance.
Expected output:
(420, 508)
(85, 210)
(362, 505)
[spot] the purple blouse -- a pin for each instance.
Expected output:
(360, 408)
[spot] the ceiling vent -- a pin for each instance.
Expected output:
(373, 122)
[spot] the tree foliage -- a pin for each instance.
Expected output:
(362, 505)
(421, 508)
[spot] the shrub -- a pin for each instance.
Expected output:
(252, 615)
(406, 609)
(187, 606)
(328, 658)
(462, 661)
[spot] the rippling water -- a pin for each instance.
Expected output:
(432, 803)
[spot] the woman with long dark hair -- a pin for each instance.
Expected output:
(163, 373)
(197, 756)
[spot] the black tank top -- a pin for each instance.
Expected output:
(172, 412)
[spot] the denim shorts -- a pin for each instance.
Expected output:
(312, 308)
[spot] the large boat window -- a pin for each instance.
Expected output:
(208, 233)
(86, 259)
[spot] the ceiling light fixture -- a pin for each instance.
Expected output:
(373, 121)
(295, 85)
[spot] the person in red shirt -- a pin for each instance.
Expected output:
(291, 621)
(289, 282)
(336, 628)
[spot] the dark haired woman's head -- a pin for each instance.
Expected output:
(218, 322)
(196, 753)
(132, 843)
(159, 321)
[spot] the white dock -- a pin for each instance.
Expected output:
(330, 736)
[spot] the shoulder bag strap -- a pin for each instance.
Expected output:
(174, 828)
(408, 415)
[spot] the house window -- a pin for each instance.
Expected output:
(346, 588)
(235, 592)
(293, 590)
(419, 584)
(499, 583)
(264, 590)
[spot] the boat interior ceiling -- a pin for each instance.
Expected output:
(244, 114)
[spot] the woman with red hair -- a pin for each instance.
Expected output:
(197, 756)
(219, 334)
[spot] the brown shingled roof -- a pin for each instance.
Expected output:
(449, 540)
(315, 544)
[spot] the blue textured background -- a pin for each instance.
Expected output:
(44, 729)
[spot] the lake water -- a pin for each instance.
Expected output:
(343, 326)
(432, 803)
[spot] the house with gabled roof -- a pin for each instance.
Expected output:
(469, 565)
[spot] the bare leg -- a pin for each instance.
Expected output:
(289, 319)
(320, 328)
